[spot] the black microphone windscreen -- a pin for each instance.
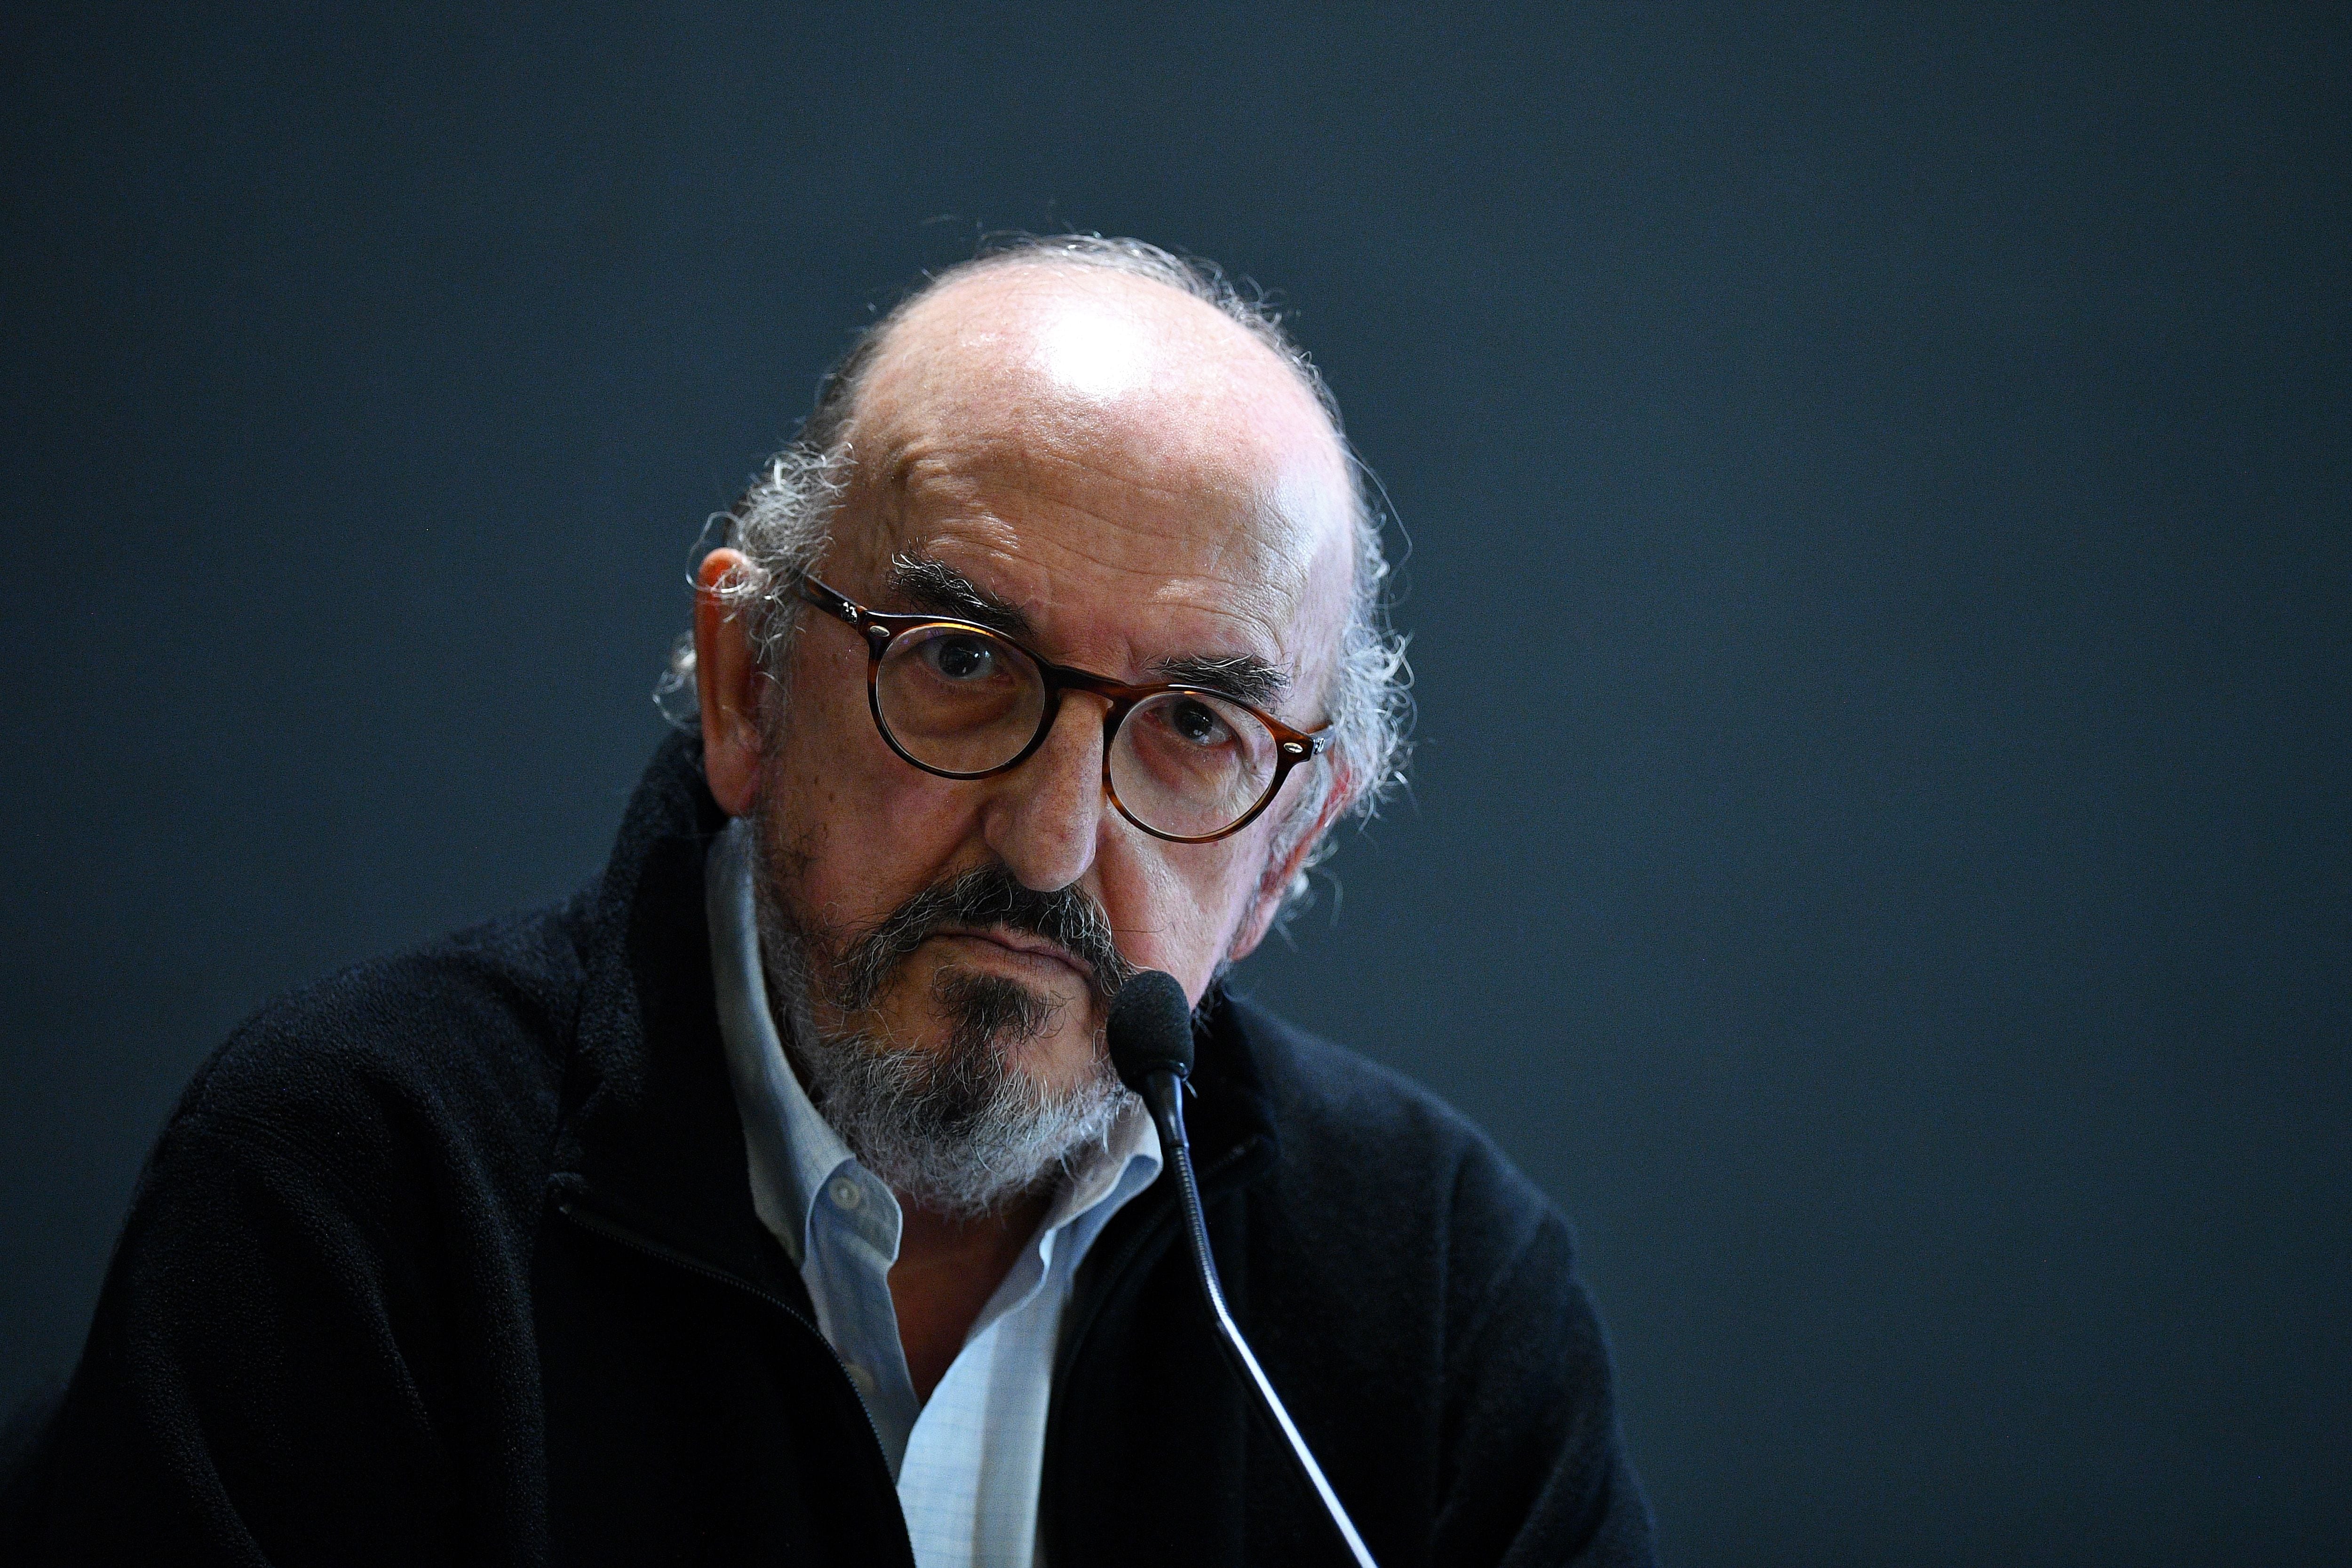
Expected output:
(1151, 1029)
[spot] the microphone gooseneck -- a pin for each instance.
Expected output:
(1150, 1041)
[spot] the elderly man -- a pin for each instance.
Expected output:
(772, 1201)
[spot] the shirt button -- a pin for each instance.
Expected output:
(862, 1378)
(845, 1194)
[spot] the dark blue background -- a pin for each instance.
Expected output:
(1880, 581)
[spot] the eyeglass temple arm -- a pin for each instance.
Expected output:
(840, 606)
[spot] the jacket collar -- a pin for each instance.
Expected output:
(649, 1134)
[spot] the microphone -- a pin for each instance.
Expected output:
(1151, 1040)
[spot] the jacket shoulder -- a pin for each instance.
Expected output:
(1332, 1102)
(1364, 1147)
(458, 1047)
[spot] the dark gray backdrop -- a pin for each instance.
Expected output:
(1877, 486)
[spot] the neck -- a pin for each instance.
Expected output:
(948, 1269)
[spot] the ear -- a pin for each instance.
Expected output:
(1278, 874)
(727, 680)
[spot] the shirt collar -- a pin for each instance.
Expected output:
(793, 1151)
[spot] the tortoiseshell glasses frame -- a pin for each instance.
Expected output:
(1289, 747)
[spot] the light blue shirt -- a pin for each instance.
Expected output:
(967, 1460)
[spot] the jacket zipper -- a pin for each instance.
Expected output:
(636, 1241)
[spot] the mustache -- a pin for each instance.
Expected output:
(983, 896)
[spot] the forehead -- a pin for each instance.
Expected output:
(1082, 441)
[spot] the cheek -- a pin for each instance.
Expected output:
(1177, 907)
(860, 830)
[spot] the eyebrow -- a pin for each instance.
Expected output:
(1244, 677)
(936, 588)
(933, 587)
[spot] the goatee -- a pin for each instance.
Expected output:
(960, 1127)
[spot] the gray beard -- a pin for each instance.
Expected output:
(960, 1130)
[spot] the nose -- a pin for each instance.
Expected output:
(1044, 819)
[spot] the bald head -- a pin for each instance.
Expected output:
(1082, 359)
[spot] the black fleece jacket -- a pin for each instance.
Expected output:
(452, 1258)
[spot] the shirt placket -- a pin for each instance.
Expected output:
(853, 1229)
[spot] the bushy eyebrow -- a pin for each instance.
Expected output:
(1244, 677)
(933, 587)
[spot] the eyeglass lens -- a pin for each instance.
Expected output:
(962, 701)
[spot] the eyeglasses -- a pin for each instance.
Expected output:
(1183, 763)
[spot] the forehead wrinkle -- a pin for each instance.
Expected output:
(1267, 551)
(1239, 558)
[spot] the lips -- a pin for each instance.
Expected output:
(1027, 946)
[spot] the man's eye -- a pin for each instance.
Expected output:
(963, 658)
(1198, 722)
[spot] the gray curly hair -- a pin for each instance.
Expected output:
(782, 524)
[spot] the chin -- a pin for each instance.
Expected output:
(1050, 1037)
